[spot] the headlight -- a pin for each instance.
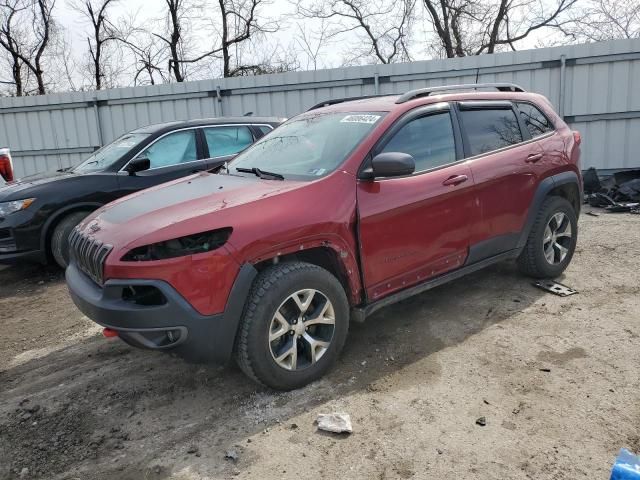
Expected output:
(7, 208)
(180, 247)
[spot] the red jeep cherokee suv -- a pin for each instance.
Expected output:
(340, 211)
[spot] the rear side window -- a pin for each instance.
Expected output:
(429, 140)
(179, 147)
(490, 129)
(264, 129)
(224, 141)
(536, 121)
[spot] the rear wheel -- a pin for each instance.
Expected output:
(294, 325)
(60, 237)
(552, 240)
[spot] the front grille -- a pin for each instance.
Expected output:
(89, 254)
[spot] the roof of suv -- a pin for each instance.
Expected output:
(157, 127)
(423, 96)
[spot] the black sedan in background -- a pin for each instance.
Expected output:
(37, 213)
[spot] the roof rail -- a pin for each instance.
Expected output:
(425, 92)
(334, 101)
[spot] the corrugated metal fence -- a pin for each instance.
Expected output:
(596, 87)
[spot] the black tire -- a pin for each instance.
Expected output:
(270, 289)
(532, 261)
(60, 237)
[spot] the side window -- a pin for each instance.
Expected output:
(227, 140)
(175, 148)
(536, 121)
(429, 140)
(264, 129)
(489, 129)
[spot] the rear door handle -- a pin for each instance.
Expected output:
(455, 180)
(534, 157)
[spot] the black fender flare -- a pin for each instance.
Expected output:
(545, 186)
(91, 206)
(225, 337)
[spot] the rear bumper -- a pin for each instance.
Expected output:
(168, 322)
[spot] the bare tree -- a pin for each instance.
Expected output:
(237, 23)
(102, 32)
(177, 14)
(149, 58)
(599, 20)
(384, 25)
(26, 45)
(11, 39)
(449, 19)
(312, 42)
(472, 27)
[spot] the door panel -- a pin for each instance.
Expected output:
(505, 184)
(413, 228)
(502, 164)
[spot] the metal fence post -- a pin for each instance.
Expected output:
(96, 111)
(563, 72)
(219, 97)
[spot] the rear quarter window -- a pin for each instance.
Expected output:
(490, 129)
(537, 122)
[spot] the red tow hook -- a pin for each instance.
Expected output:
(109, 333)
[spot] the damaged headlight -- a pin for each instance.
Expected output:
(7, 208)
(180, 247)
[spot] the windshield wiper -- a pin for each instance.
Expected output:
(65, 169)
(261, 173)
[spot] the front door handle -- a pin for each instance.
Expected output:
(455, 180)
(534, 157)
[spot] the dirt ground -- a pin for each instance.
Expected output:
(557, 380)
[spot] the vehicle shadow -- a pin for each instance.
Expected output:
(25, 279)
(105, 408)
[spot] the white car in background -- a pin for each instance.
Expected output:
(6, 166)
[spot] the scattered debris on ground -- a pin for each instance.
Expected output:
(334, 422)
(618, 193)
(66, 394)
(231, 455)
(555, 288)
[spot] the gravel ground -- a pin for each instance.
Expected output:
(556, 379)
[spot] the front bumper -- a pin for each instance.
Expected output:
(166, 322)
(20, 239)
(10, 258)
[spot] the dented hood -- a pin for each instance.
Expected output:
(182, 207)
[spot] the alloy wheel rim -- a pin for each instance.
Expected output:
(301, 329)
(557, 238)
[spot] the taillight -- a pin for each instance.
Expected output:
(6, 169)
(577, 137)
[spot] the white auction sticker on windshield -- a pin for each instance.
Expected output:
(360, 119)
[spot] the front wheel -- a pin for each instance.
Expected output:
(552, 240)
(60, 237)
(294, 325)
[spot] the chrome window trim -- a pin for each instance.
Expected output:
(123, 169)
(509, 147)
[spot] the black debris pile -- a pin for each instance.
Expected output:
(618, 193)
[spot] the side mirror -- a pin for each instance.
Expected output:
(391, 164)
(138, 165)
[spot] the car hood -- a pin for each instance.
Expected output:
(188, 205)
(12, 190)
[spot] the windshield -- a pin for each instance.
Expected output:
(308, 147)
(111, 153)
